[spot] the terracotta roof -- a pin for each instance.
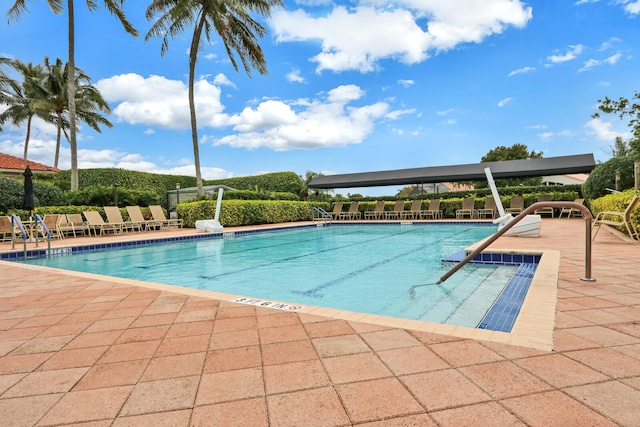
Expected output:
(12, 162)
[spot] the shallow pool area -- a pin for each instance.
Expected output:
(389, 269)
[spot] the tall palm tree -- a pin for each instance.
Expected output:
(88, 100)
(26, 100)
(115, 8)
(230, 19)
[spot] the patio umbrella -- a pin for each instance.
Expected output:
(27, 202)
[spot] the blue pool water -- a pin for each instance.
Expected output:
(389, 270)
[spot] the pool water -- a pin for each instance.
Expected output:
(388, 270)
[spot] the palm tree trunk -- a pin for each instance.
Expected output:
(55, 160)
(26, 140)
(193, 56)
(71, 87)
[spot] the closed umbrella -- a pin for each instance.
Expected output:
(28, 202)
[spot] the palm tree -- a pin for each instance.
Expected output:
(115, 8)
(88, 100)
(26, 100)
(230, 19)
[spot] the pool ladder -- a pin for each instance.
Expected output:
(586, 213)
(320, 214)
(37, 220)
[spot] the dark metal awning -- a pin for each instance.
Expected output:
(581, 163)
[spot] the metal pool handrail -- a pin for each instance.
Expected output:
(586, 213)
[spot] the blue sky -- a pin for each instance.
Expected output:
(352, 86)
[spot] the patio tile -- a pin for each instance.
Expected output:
(422, 420)
(282, 333)
(41, 320)
(26, 411)
(230, 385)
(130, 351)
(240, 413)
(94, 339)
(488, 414)
(294, 376)
(192, 316)
(148, 333)
(564, 341)
(328, 329)
(615, 400)
(7, 381)
(235, 324)
(74, 358)
(183, 365)
(232, 358)
(179, 330)
(355, 367)
(554, 409)
(602, 335)
(310, 408)
(158, 419)
(232, 310)
(290, 351)
(244, 338)
(278, 319)
(113, 324)
(340, 345)
(22, 363)
(377, 400)
(43, 345)
(46, 382)
(389, 339)
(463, 353)
(161, 396)
(87, 405)
(607, 361)
(154, 320)
(64, 329)
(443, 389)
(411, 360)
(183, 345)
(504, 379)
(560, 371)
(112, 375)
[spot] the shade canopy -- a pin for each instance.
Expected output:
(582, 163)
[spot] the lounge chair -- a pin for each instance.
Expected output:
(467, 208)
(618, 219)
(114, 216)
(158, 215)
(79, 225)
(415, 211)
(516, 205)
(136, 216)
(542, 211)
(5, 229)
(396, 213)
(352, 213)
(377, 212)
(95, 222)
(572, 211)
(489, 210)
(337, 210)
(65, 228)
(51, 222)
(434, 211)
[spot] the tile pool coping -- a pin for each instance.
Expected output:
(533, 327)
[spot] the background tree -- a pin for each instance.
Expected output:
(515, 152)
(115, 8)
(624, 108)
(620, 148)
(231, 20)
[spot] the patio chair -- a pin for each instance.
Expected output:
(352, 213)
(158, 215)
(337, 210)
(467, 208)
(95, 223)
(516, 205)
(542, 211)
(136, 216)
(415, 210)
(79, 225)
(65, 228)
(114, 216)
(51, 222)
(618, 219)
(433, 211)
(377, 212)
(5, 228)
(489, 210)
(572, 211)
(396, 213)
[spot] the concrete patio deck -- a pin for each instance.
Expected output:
(96, 351)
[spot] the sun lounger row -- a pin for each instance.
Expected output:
(415, 211)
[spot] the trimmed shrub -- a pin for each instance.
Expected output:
(616, 202)
(604, 176)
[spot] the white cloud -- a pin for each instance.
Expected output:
(522, 70)
(222, 80)
(445, 112)
(603, 130)
(550, 135)
(631, 6)
(591, 63)
(571, 54)
(359, 38)
(504, 102)
(330, 121)
(405, 83)
(579, 2)
(158, 101)
(295, 77)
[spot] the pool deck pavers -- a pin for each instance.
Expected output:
(95, 351)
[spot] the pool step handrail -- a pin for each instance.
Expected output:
(322, 214)
(538, 205)
(38, 220)
(15, 222)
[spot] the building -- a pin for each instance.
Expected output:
(13, 167)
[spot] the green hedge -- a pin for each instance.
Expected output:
(288, 182)
(12, 192)
(616, 202)
(234, 213)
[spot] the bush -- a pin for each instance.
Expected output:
(288, 182)
(616, 202)
(604, 176)
(12, 191)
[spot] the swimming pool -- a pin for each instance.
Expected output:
(379, 269)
